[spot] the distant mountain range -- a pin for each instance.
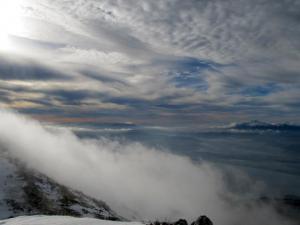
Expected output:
(263, 126)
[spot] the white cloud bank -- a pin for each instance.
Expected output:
(134, 180)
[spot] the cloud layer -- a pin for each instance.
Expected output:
(179, 61)
(134, 180)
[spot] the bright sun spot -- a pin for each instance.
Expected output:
(10, 22)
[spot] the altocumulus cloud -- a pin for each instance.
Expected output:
(136, 181)
(140, 54)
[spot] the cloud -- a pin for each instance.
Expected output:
(26, 69)
(221, 31)
(198, 54)
(135, 180)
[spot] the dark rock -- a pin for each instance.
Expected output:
(165, 223)
(181, 222)
(28, 192)
(202, 220)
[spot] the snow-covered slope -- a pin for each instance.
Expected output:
(61, 220)
(27, 192)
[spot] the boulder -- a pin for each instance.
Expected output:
(181, 222)
(202, 220)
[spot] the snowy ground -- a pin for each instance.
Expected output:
(26, 192)
(10, 186)
(60, 220)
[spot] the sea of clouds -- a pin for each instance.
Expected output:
(138, 182)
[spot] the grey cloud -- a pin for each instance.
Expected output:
(103, 76)
(175, 53)
(32, 43)
(217, 29)
(14, 68)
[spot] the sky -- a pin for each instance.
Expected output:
(163, 62)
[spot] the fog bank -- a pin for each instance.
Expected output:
(136, 181)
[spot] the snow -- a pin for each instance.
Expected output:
(14, 200)
(7, 187)
(61, 220)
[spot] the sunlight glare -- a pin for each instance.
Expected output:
(10, 22)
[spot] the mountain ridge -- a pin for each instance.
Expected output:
(260, 125)
(24, 191)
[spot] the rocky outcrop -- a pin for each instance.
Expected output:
(181, 222)
(202, 220)
(24, 191)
